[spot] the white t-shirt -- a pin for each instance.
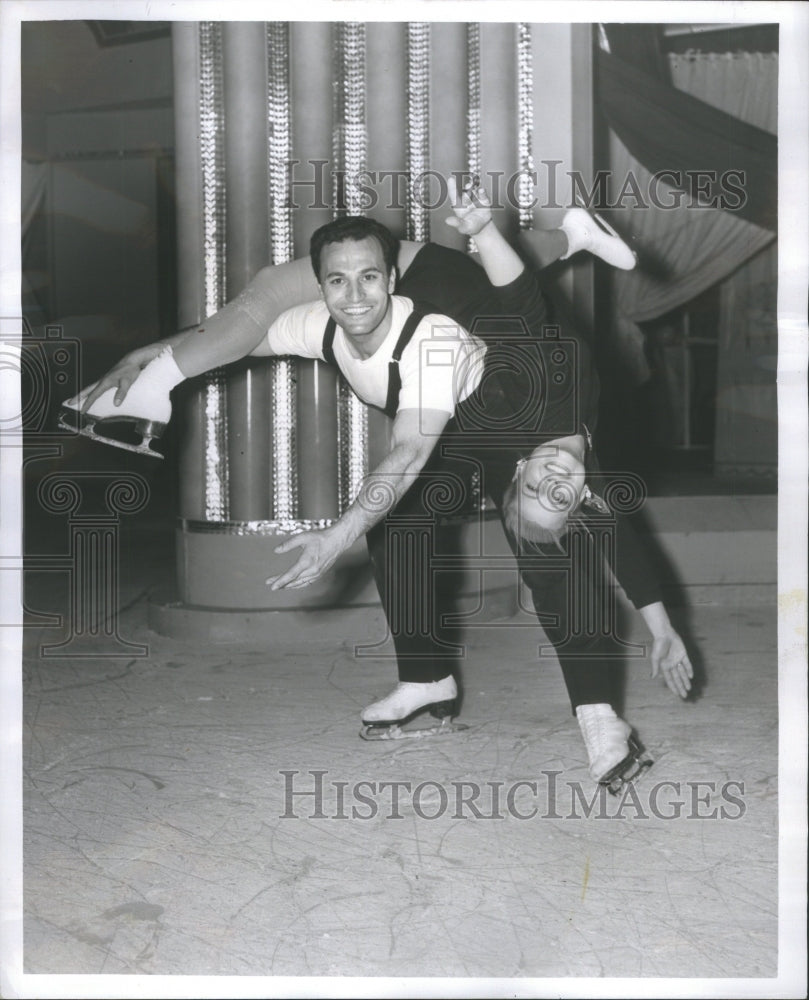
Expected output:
(439, 368)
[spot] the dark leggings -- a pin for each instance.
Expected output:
(570, 591)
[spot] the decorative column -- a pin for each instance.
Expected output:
(525, 127)
(212, 164)
(284, 478)
(473, 122)
(418, 130)
(249, 392)
(295, 65)
(386, 102)
(349, 159)
(240, 467)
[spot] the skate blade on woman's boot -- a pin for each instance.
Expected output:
(399, 716)
(616, 757)
(628, 770)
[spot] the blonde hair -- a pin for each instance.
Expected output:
(522, 527)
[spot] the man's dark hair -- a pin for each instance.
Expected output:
(353, 227)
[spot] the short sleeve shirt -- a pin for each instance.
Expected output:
(439, 368)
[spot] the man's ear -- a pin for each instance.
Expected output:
(320, 290)
(392, 278)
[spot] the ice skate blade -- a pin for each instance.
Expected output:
(376, 731)
(628, 770)
(85, 424)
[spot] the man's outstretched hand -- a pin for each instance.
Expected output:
(321, 549)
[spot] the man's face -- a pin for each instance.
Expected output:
(551, 483)
(356, 288)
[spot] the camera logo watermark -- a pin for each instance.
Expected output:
(46, 367)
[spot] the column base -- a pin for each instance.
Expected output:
(224, 567)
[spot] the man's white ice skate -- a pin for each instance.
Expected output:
(140, 419)
(395, 717)
(593, 234)
(616, 757)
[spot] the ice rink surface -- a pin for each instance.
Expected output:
(165, 833)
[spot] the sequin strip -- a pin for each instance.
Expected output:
(263, 528)
(473, 148)
(279, 151)
(350, 149)
(525, 125)
(418, 130)
(212, 164)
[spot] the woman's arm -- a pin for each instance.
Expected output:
(668, 650)
(473, 217)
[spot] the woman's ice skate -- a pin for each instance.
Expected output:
(391, 717)
(142, 415)
(596, 236)
(616, 757)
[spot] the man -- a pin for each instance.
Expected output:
(377, 339)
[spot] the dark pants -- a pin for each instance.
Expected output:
(570, 591)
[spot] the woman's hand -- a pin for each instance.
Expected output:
(669, 657)
(472, 208)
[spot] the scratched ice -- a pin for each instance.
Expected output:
(155, 843)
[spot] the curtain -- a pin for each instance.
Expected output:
(684, 251)
(746, 437)
(666, 128)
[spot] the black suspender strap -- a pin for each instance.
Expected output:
(328, 342)
(394, 378)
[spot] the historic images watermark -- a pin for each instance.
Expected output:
(310, 795)
(313, 184)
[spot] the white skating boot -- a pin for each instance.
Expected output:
(385, 719)
(614, 754)
(146, 410)
(593, 234)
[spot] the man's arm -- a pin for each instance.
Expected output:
(415, 433)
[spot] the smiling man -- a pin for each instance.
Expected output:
(356, 283)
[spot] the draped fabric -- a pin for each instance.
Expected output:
(685, 250)
(638, 45)
(667, 129)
